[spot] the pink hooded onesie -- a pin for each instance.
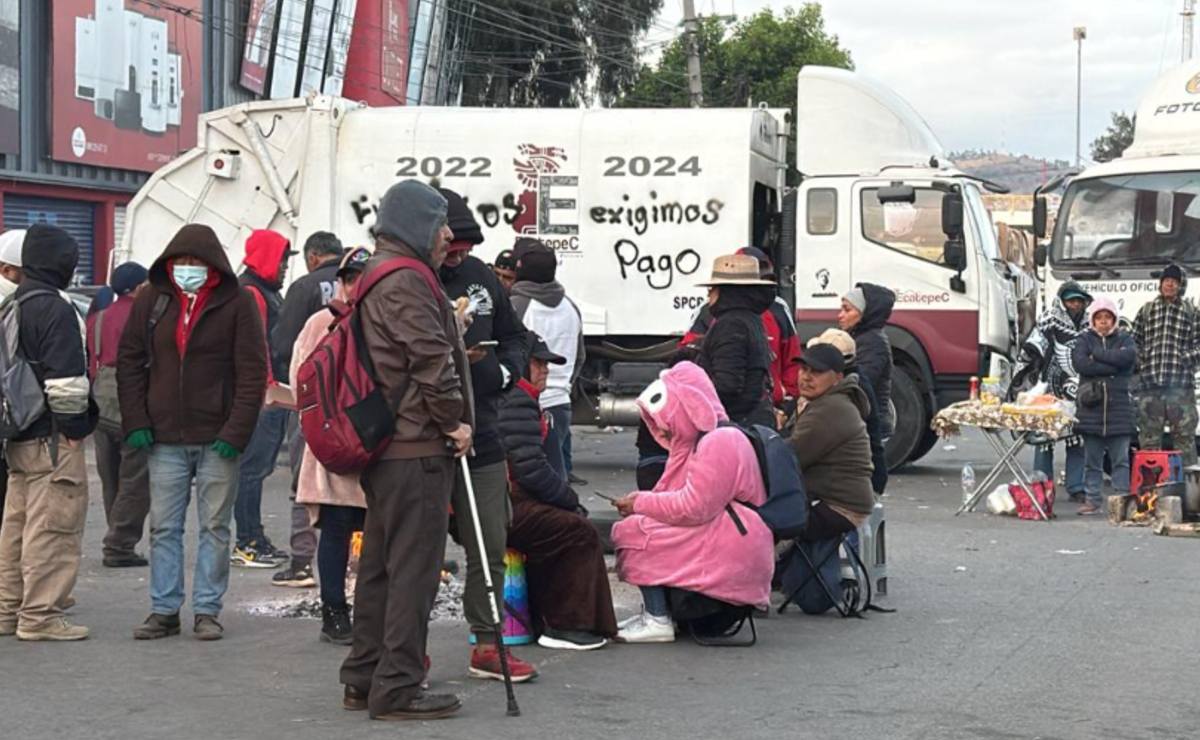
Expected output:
(680, 534)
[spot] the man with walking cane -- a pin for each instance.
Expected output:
(419, 360)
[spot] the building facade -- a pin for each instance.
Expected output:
(96, 94)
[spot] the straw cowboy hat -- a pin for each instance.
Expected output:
(735, 269)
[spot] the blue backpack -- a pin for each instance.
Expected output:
(786, 509)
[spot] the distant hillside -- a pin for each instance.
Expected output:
(1019, 173)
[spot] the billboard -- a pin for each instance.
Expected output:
(260, 32)
(10, 76)
(126, 77)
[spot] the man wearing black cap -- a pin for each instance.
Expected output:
(1167, 333)
(495, 367)
(542, 304)
(505, 269)
(831, 443)
(124, 475)
(46, 508)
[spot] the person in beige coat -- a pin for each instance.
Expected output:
(336, 504)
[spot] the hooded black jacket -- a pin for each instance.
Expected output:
(520, 427)
(736, 355)
(305, 297)
(494, 320)
(879, 477)
(51, 335)
(873, 353)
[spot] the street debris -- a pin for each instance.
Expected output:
(1069, 552)
(447, 606)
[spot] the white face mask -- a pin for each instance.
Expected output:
(7, 287)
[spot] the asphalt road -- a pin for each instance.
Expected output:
(1003, 629)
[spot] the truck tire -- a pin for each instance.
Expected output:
(912, 418)
(924, 446)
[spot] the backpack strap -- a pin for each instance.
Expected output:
(156, 314)
(97, 327)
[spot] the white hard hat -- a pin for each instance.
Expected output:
(10, 246)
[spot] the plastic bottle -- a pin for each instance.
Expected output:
(968, 482)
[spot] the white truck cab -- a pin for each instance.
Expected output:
(879, 204)
(1121, 222)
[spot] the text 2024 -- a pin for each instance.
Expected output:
(444, 167)
(651, 167)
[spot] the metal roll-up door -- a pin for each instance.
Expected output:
(75, 218)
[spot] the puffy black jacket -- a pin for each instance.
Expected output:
(873, 354)
(879, 477)
(495, 320)
(736, 355)
(1110, 360)
(305, 297)
(520, 425)
(51, 335)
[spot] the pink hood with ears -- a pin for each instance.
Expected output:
(680, 534)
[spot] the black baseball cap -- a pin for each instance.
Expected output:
(506, 260)
(823, 357)
(353, 261)
(541, 351)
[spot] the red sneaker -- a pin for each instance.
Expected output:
(485, 663)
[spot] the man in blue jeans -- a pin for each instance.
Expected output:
(267, 255)
(192, 328)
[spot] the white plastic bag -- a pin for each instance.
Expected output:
(1000, 501)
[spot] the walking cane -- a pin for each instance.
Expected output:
(513, 709)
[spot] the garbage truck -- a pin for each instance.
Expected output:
(636, 204)
(1121, 222)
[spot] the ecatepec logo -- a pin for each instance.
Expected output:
(1193, 85)
(78, 141)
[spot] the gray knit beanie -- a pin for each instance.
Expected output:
(858, 299)
(411, 212)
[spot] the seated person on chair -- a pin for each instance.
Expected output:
(831, 443)
(569, 596)
(682, 535)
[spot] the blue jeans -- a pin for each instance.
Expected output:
(558, 439)
(258, 462)
(1043, 461)
(1117, 448)
(654, 600)
(173, 469)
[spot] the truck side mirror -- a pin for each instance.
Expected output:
(955, 255)
(952, 216)
(1039, 220)
(1039, 255)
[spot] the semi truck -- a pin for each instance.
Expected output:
(1121, 222)
(636, 204)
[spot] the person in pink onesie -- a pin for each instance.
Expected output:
(680, 535)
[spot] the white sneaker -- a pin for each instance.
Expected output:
(631, 621)
(649, 629)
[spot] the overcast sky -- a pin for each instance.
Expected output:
(998, 74)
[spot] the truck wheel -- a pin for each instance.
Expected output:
(924, 446)
(911, 421)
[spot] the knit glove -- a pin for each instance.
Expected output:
(140, 439)
(225, 450)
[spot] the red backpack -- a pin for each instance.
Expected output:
(346, 418)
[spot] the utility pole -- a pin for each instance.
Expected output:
(1079, 35)
(691, 27)
(1189, 14)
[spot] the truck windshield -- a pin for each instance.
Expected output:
(1130, 219)
(982, 226)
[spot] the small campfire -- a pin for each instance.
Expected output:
(1144, 506)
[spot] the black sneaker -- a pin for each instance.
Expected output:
(336, 626)
(575, 480)
(250, 556)
(295, 577)
(125, 560)
(269, 548)
(570, 640)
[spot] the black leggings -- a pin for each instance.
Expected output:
(336, 523)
